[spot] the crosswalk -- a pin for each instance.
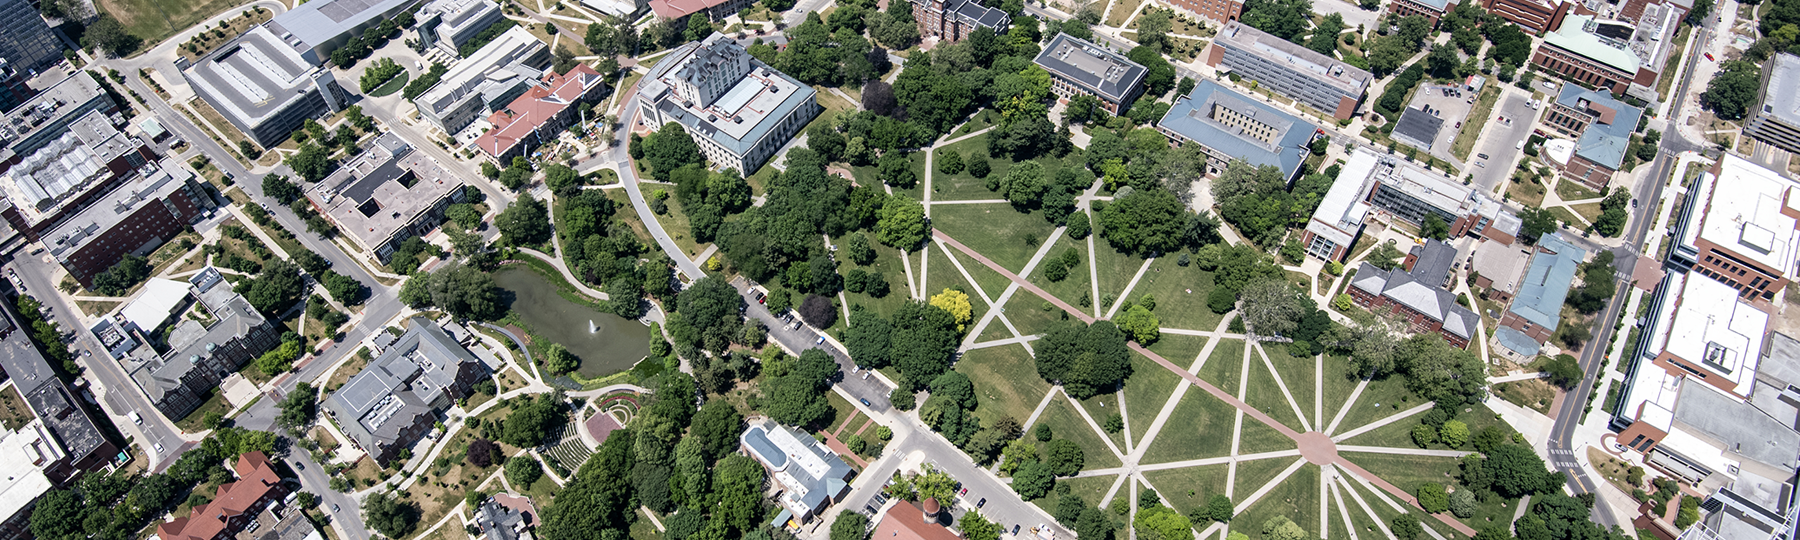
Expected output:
(1563, 458)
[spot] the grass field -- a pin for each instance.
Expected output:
(1180, 295)
(996, 231)
(1006, 381)
(1528, 193)
(887, 263)
(1115, 270)
(1264, 394)
(1338, 387)
(1203, 430)
(1073, 286)
(1566, 217)
(1259, 437)
(1407, 472)
(1297, 498)
(1188, 488)
(1477, 119)
(1090, 490)
(154, 20)
(1225, 366)
(942, 275)
(1534, 394)
(1571, 190)
(1589, 211)
(14, 414)
(991, 282)
(1380, 399)
(1102, 407)
(393, 85)
(1399, 433)
(1065, 423)
(963, 186)
(1027, 313)
(1252, 475)
(867, 176)
(1299, 374)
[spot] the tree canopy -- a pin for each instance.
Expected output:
(1086, 359)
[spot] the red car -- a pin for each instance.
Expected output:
(1709, 57)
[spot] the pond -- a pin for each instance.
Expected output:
(605, 343)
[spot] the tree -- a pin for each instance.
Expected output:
(1564, 371)
(1615, 208)
(1732, 90)
(1033, 480)
(299, 407)
(523, 471)
(850, 526)
(1141, 324)
(1282, 528)
(1462, 503)
(670, 148)
(956, 303)
(274, 289)
(1697, 16)
(1271, 307)
(977, 527)
(825, 139)
(1435, 228)
(1517, 471)
(558, 360)
(279, 188)
(1153, 30)
(1218, 509)
(1064, 457)
(525, 222)
(1284, 18)
(560, 178)
(902, 223)
(390, 515)
(1142, 222)
(1086, 360)
(1454, 433)
(312, 162)
(1535, 222)
(895, 169)
(1433, 498)
(1405, 526)
(109, 36)
(1162, 523)
(532, 421)
(1324, 39)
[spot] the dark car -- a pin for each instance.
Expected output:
(866, 402)
(981, 503)
(1482, 156)
(1015, 529)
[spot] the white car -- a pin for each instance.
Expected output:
(158, 447)
(136, 418)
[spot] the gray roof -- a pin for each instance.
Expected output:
(402, 384)
(1547, 281)
(1781, 96)
(1502, 264)
(1603, 143)
(1742, 428)
(497, 64)
(255, 75)
(106, 212)
(1418, 128)
(499, 522)
(982, 15)
(377, 196)
(1192, 117)
(19, 358)
(763, 102)
(1434, 260)
(1780, 365)
(1517, 341)
(37, 120)
(314, 23)
(1425, 297)
(819, 476)
(1099, 70)
(234, 318)
(1317, 67)
(46, 395)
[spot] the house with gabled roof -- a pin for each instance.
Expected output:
(1419, 299)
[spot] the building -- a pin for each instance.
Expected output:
(396, 399)
(485, 82)
(23, 455)
(1215, 10)
(1228, 125)
(155, 205)
(678, 10)
(904, 521)
(1418, 127)
(1533, 16)
(622, 9)
(265, 82)
(1374, 184)
(448, 24)
(1313, 79)
(540, 113)
(506, 517)
(811, 476)
(26, 41)
(200, 354)
(59, 151)
(1430, 263)
(1601, 127)
(1579, 52)
(953, 20)
(1537, 310)
(235, 507)
(14, 89)
(1741, 229)
(1418, 296)
(1775, 119)
(314, 29)
(740, 110)
(1431, 10)
(385, 195)
(1079, 67)
(66, 439)
(1498, 269)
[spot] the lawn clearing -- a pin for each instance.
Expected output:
(1187, 488)
(1121, 9)
(155, 20)
(1065, 423)
(1338, 386)
(1297, 497)
(1090, 490)
(1259, 437)
(1382, 398)
(1406, 471)
(1253, 474)
(1225, 366)
(1299, 375)
(1074, 286)
(1571, 190)
(1103, 407)
(393, 85)
(1180, 294)
(1264, 394)
(996, 231)
(867, 176)
(675, 222)
(215, 402)
(1007, 381)
(991, 282)
(14, 414)
(1114, 271)
(1589, 211)
(887, 263)
(1027, 314)
(1202, 430)
(1525, 191)
(1146, 392)
(1567, 217)
(1534, 394)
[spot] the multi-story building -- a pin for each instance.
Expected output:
(1215, 10)
(314, 29)
(1431, 10)
(1079, 67)
(14, 89)
(265, 82)
(67, 441)
(1532, 16)
(953, 20)
(1416, 293)
(1741, 229)
(235, 507)
(810, 474)
(1601, 127)
(1228, 125)
(623, 9)
(23, 455)
(448, 24)
(1498, 269)
(678, 10)
(385, 195)
(1775, 119)
(740, 110)
(1374, 183)
(485, 82)
(540, 113)
(394, 401)
(1536, 310)
(155, 205)
(26, 41)
(1313, 79)
(1577, 51)
(199, 354)
(59, 152)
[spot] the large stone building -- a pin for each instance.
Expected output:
(1315, 80)
(1601, 127)
(540, 113)
(448, 24)
(811, 476)
(1079, 67)
(678, 10)
(953, 20)
(1228, 126)
(1775, 118)
(60, 151)
(67, 441)
(385, 195)
(199, 354)
(485, 82)
(397, 398)
(1371, 183)
(1536, 311)
(26, 41)
(1533, 16)
(23, 456)
(315, 29)
(154, 206)
(1215, 10)
(266, 84)
(739, 110)
(1415, 292)
(1742, 229)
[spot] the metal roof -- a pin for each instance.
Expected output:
(1547, 281)
(1097, 69)
(1602, 142)
(1418, 128)
(1192, 117)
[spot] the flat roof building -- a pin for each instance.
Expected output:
(23, 456)
(677, 10)
(1079, 67)
(25, 39)
(59, 151)
(1372, 183)
(1228, 125)
(541, 112)
(1533, 16)
(154, 206)
(1418, 127)
(1602, 128)
(398, 397)
(314, 29)
(200, 354)
(1498, 268)
(266, 84)
(953, 20)
(740, 110)
(1742, 228)
(70, 442)
(385, 195)
(485, 82)
(623, 9)
(448, 24)
(1536, 311)
(1775, 118)
(811, 475)
(1316, 80)
(1590, 51)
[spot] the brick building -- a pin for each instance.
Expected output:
(1216, 10)
(1079, 67)
(155, 205)
(1418, 296)
(953, 20)
(1601, 127)
(1431, 10)
(1231, 126)
(541, 113)
(1533, 16)
(1744, 235)
(234, 507)
(1576, 51)
(1371, 182)
(1536, 311)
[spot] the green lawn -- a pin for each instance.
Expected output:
(1090, 490)
(1180, 349)
(1115, 271)
(1339, 384)
(996, 231)
(1264, 394)
(154, 20)
(1299, 374)
(991, 282)
(1146, 392)
(1188, 488)
(1253, 474)
(887, 263)
(1007, 381)
(867, 176)
(1101, 407)
(1027, 313)
(941, 275)
(1399, 433)
(1202, 429)
(1407, 472)
(1259, 437)
(1073, 286)
(962, 186)
(1381, 399)
(1225, 366)
(1180, 295)
(1065, 423)
(1297, 498)
(393, 85)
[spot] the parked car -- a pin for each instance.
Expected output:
(821, 341)
(981, 503)
(1482, 156)
(157, 447)
(865, 402)
(1015, 530)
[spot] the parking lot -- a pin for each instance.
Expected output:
(1450, 103)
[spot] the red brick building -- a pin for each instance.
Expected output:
(1217, 10)
(1421, 301)
(154, 206)
(953, 20)
(1429, 9)
(235, 506)
(1532, 16)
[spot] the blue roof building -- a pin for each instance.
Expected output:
(1229, 125)
(1601, 127)
(1537, 309)
(811, 475)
